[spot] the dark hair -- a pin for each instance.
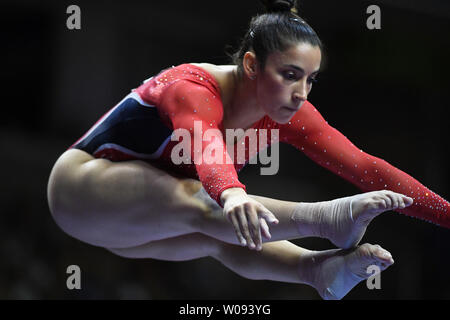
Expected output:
(276, 30)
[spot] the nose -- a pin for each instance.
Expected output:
(301, 92)
(299, 97)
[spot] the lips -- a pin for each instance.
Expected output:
(291, 109)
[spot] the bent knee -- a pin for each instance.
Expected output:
(67, 197)
(61, 180)
(86, 195)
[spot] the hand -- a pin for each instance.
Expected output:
(248, 217)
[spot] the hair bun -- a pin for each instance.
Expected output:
(280, 5)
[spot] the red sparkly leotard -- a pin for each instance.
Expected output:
(141, 125)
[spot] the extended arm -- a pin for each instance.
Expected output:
(311, 134)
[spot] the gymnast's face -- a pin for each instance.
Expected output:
(283, 86)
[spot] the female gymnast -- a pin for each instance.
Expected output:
(118, 187)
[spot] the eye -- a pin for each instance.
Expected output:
(289, 75)
(312, 80)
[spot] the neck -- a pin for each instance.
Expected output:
(243, 109)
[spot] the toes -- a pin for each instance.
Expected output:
(394, 197)
(382, 253)
(407, 201)
(393, 200)
(387, 200)
(384, 203)
(382, 257)
(376, 255)
(376, 202)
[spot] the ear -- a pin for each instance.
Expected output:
(249, 64)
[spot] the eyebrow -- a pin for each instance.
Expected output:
(301, 69)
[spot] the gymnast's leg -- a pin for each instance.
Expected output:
(118, 204)
(125, 204)
(333, 273)
(343, 221)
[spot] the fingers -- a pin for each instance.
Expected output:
(250, 222)
(243, 224)
(238, 219)
(254, 227)
(265, 228)
(236, 226)
(269, 216)
(259, 217)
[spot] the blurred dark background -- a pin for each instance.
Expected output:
(387, 90)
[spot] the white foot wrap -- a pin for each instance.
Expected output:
(332, 220)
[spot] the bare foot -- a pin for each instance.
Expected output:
(344, 221)
(333, 273)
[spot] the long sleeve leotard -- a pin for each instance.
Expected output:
(325, 145)
(187, 97)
